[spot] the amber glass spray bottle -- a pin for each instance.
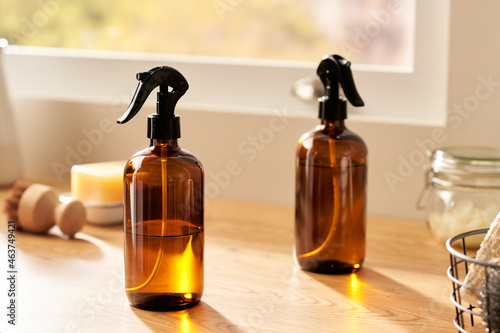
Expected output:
(330, 202)
(163, 197)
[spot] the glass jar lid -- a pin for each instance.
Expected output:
(465, 166)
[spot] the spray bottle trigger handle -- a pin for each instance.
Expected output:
(163, 77)
(347, 82)
(334, 70)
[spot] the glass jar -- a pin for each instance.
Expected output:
(462, 190)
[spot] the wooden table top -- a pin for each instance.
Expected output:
(251, 281)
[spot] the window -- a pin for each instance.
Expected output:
(281, 42)
(377, 32)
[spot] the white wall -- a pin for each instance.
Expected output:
(50, 128)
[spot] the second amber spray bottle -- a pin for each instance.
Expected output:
(331, 171)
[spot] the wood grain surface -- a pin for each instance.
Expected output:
(251, 281)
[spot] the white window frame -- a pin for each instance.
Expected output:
(416, 96)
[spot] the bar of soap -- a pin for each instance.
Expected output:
(98, 183)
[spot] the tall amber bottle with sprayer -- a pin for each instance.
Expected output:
(331, 167)
(163, 194)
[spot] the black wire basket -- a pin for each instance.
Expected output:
(473, 317)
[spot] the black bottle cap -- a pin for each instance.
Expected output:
(335, 72)
(163, 124)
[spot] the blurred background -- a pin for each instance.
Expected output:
(366, 32)
(62, 88)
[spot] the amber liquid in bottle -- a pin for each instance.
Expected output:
(164, 228)
(330, 223)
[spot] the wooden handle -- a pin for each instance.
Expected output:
(36, 208)
(39, 210)
(70, 217)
